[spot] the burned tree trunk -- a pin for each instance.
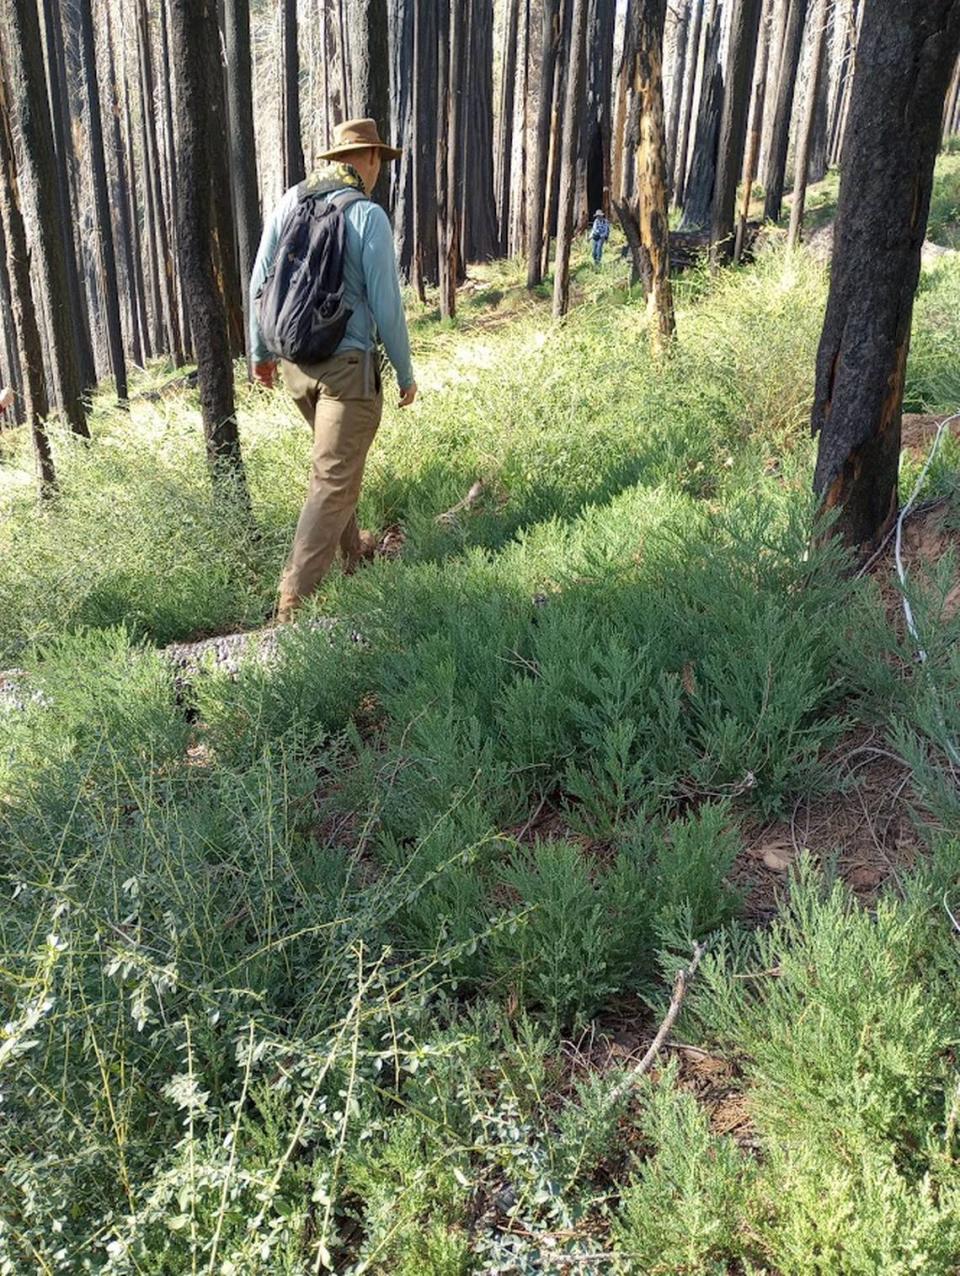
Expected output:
(170, 167)
(741, 59)
(809, 120)
(194, 29)
(130, 264)
(786, 89)
(595, 136)
(370, 74)
(881, 222)
(450, 35)
(641, 71)
(572, 114)
(755, 129)
(400, 19)
(518, 220)
(841, 100)
(143, 317)
(504, 164)
(426, 111)
(226, 260)
(101, 200)
(294, 169)
(478, 204)
(701, 179)
(678, 72)
(30, 118)
(24, 315)
(818, 161)
(538, 184)
(695, 61)
(155, 206)
(63, 150)
(243, 148)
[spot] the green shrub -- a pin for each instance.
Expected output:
(683, 1208)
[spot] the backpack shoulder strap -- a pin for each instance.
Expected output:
(344, 199)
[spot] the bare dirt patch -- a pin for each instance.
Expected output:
(866, 827)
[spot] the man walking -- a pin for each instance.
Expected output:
(342, 397)
(599, 234)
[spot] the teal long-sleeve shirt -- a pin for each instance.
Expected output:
(371, 286)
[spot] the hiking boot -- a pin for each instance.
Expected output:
(367, 546)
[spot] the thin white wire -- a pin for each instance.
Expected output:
(921, 654)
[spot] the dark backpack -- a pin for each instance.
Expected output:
(302, 314)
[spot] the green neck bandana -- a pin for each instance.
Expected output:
(332, 175)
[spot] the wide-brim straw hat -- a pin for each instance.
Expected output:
(354, 135)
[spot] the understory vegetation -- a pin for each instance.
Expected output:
(322, 967)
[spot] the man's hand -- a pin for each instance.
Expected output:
(408, 395)
(265, 373)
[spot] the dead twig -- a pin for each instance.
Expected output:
(680, 986)
(956, 924)
(449, 517)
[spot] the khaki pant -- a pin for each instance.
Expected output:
(342, 399)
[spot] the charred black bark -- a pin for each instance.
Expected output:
(572, 118)
(478, 204)
(17, 271)
(701, 180)
(63, 150)
(504, 157)
(741, 59)
(595, 137)
(30, 118)
(370, 74)
(193, 29)
(786, 89)
(538, 184)
(101, 201)
(243, 147)
(881, 222)
(294, 169)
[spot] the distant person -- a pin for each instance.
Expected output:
(331, 233)
(599, 234)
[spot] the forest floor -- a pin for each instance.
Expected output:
(345, 959)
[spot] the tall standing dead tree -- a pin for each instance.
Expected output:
(449, 37)
(243, 150)
(646, 217)
(30, 117)
(17, 267)
(63, 150)
(741, 58)
(694, 59)
(755, 128)
(701, 178)
(193, 29)
(101, 200)
(572, 115)
(786, 90)
(805, 139)
(880, 227)
(504, 156)
(294, 168)
(158, 216)
(369, 53)
(595, 137)
(478, 201)
(551, 36)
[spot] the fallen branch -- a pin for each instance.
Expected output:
(956, 923)
(449, 517)
(680, 986)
